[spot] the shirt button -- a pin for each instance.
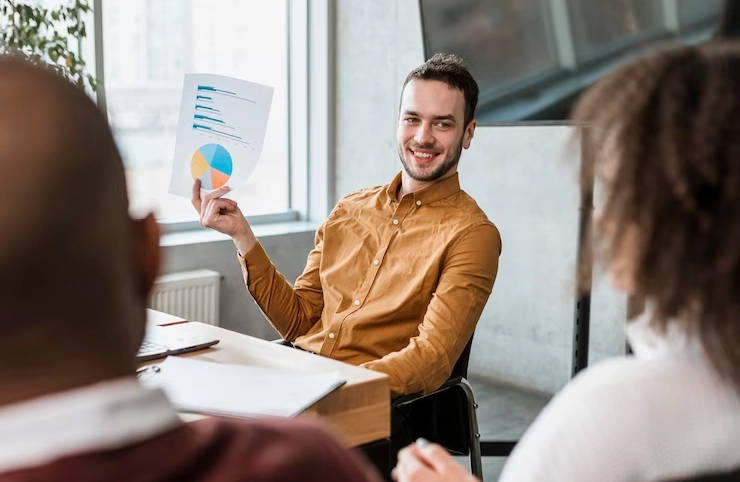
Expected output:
(395, 221)
(418, 203)
(376, 262)
(331, 335)
(357, 302)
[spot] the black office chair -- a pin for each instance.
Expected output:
(447, 416)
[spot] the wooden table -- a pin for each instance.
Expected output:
(158, 318)
(358, 412)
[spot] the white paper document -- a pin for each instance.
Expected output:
(239, 391)
(220, 134)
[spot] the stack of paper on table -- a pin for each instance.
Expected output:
(239, 391)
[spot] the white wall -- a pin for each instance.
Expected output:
(377, 43)
(523, 177)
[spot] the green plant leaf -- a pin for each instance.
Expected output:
(42, 34)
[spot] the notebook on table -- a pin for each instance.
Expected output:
(239, 391)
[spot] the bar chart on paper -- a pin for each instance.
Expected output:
(209, 119)
(220, 134)
(211, 164)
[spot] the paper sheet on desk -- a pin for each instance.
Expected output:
(240, 391)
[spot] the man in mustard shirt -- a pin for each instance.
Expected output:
(400, 273)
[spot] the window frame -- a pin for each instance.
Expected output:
(571, 73)
(310, 30)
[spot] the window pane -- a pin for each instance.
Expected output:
(149, 46)
(600, 25)
(691, 11)
(501, 40)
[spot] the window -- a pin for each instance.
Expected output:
(601, 25)
(503, 41)
(532, 59)
(691, 11)
(148, 46)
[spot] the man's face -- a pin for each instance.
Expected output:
(431, 132)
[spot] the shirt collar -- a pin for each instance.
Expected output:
(430, 194)
(103, 416)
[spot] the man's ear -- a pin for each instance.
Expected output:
(469, 132)
(146, 253)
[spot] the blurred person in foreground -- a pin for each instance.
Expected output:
(76, 274)
(665, 137)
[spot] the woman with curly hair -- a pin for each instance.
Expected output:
(663, 139)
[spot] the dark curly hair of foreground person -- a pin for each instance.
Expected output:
(664, 138)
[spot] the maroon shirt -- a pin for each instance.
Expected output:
(214, 450)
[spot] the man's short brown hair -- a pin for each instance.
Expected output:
(451, 70)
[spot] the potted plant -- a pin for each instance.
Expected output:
(42, 34)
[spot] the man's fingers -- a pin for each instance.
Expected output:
(224, 204)
(227, 204)
(195, 197)
(211, 196)
(217, 193)
(215, 207)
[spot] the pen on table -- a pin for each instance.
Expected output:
(140, 371)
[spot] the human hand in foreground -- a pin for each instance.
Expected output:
(428, 462)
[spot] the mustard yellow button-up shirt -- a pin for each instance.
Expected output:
(393, 285)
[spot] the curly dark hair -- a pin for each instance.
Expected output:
(664, 133)
(451, 70)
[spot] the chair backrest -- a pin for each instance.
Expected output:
(448, 417)
(461, 367)
(733, 476)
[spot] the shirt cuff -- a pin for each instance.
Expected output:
(394, 381)
(256, 262)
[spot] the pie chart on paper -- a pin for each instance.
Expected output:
(211, 164)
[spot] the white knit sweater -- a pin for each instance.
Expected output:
(660, 415)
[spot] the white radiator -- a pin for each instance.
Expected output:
(193, 295)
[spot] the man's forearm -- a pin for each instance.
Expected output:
(290, 309)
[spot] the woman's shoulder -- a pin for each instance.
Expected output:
(640, 383)
(612, 414)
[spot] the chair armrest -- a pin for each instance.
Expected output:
(407, 399)
(280, 341)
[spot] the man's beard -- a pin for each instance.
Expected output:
(449, 163)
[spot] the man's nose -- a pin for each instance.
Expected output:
(424, 136)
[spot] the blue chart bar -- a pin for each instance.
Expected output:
(205, 107)
(213, 89)
(204, 97)
(205, 117)
(211, 130)
(208, 88)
